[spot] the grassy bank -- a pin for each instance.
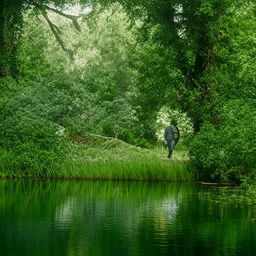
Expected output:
(107, 158)
(103, 158)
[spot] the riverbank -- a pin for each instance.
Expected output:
(124, 163)
(95, 157)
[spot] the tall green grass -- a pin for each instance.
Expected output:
(114, 161)
(152, 170)
(125, 162)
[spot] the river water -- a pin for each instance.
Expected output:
(115, 218)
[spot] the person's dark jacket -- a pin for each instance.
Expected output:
(172, 133)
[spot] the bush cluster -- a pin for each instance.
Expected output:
(29, 145)
(227, 152)
(35, 119)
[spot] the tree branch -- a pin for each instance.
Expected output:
(73, 18)
(55, 30)
(68, 16)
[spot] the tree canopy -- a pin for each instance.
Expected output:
(113, 68)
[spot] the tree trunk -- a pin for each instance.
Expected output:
(10, 20)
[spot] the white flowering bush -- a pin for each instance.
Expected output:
(184, 123)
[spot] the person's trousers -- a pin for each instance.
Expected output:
(171, 145)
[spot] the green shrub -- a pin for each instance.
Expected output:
(29, 145)
(127, 136)
(109, 129)
(228, 152)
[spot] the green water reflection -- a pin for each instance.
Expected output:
(110, 218)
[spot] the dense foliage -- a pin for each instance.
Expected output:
(225, 146)
(229, 149)
(114, 66)
(55, 97)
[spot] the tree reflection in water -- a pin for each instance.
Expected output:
(115, 218)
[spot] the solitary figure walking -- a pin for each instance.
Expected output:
(172, 136)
